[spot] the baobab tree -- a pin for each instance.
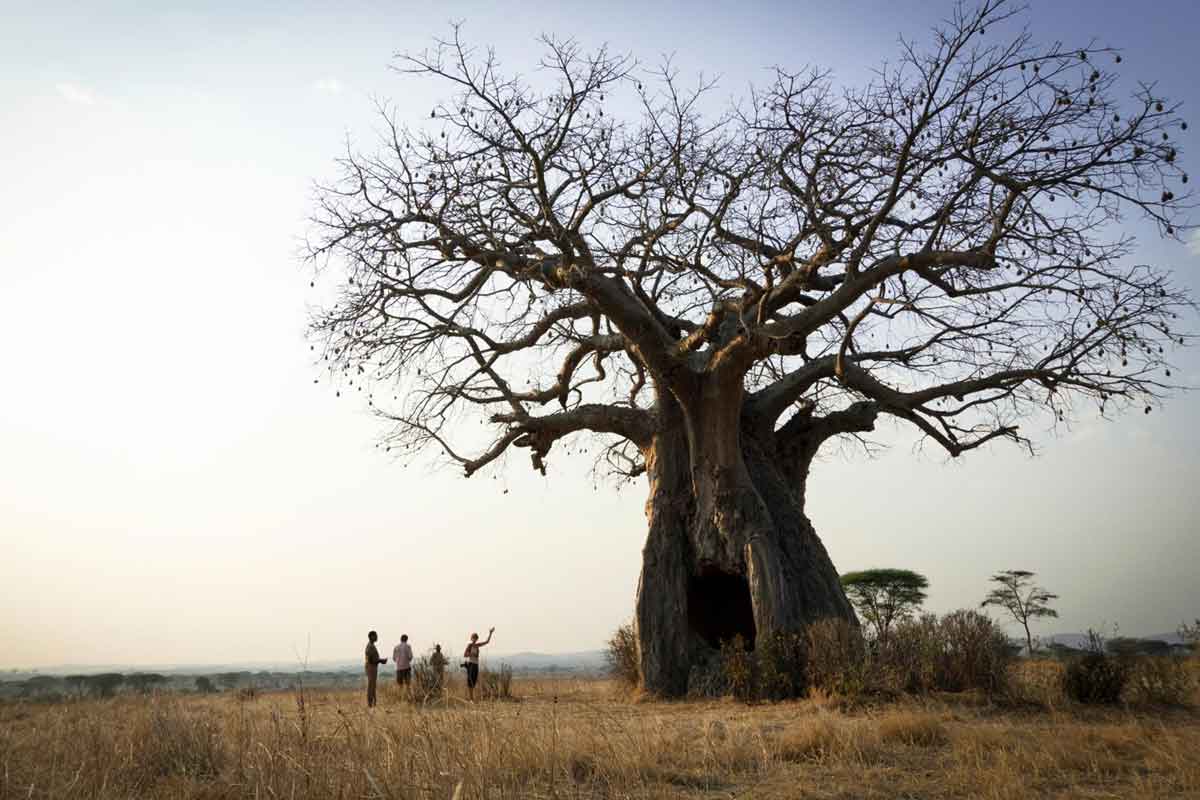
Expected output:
(711, 298)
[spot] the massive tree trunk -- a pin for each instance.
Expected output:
(729, 550)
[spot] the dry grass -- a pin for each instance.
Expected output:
(585, 739)
(917, 728)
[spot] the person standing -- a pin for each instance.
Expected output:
(471, 654)
(372, 667)
(437, 660)
(402, 656)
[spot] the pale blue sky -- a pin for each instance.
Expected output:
(173, 488)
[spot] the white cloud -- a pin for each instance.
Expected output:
(1194, 243)
(328, 85)
(75, 93)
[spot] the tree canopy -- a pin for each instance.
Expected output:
(940, 245)
(884, 596)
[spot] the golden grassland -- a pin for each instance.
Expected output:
(571, 738)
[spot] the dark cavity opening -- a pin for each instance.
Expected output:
(719, 607)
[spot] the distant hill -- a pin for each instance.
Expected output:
(1079, 641)
(589, 661)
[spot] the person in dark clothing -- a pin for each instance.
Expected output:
(372, 667)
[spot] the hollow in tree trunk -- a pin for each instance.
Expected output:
(729, 550)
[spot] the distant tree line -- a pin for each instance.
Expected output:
(110, 684)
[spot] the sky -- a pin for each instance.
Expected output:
(174, 489)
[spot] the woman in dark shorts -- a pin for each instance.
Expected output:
(471, 662)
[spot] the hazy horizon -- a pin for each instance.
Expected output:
(175, 489)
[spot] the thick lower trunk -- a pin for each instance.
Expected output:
(729, 552)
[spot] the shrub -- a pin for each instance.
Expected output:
(497, 685)
(1095, 678)
(837, 657)
(964, 650)
(739, 669)
(707, 678)
(621, 655)
(974, 653)
(1036, 682)
(425, 684)
(907, 661)
(782, 669)
(1159, 680)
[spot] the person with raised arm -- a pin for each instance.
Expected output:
(471, 662)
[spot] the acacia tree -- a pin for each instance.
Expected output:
(1017, 594)
(714, 298)
(883, 596)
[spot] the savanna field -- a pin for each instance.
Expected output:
(591, 738)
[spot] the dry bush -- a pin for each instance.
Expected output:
(739, 669)
(708, 678)
(774, 670)
(837, 657)
(426, 685)
(975, 653)
(621, 655)
(496, 684)
(1160, 681)
(1095, 678)
(907, 661)
(920, 729)
(1036, 682)
(963, 650)
(782, 666)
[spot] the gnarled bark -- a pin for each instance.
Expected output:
(729, 551)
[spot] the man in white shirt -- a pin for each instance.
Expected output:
(402, 654)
